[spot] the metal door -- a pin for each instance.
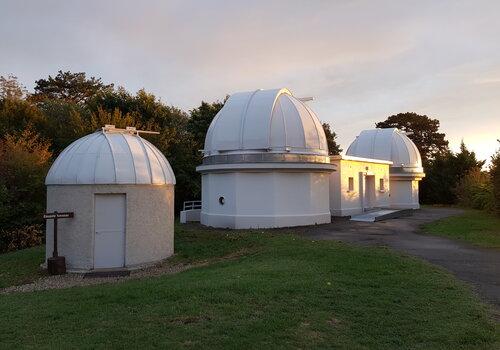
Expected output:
(109, 223)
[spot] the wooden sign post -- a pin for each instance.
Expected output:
(56, 265)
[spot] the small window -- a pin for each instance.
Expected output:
(221, 200)
(382, 185)
(351, 184)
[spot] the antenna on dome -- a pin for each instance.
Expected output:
(129, 129)
(305, 99)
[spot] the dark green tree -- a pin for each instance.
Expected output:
(424, 133)
(331, 136)
(69, 86)
(443, 174)
(200, 119)
(495, 179)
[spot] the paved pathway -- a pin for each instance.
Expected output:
(478, 266)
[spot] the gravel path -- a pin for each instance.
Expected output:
(77, 279)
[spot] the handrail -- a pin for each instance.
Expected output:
(190, 205)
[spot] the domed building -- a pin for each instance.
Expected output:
(406, 169)
(121, 190)
(265, 164)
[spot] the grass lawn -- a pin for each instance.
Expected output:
(474, 226)
(21, 266)
(283, 292)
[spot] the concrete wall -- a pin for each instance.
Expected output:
(259, 199)
(149, 235)
(344, 202)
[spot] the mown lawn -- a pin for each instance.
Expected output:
(21, 267)
(284, 292)
(474, 226)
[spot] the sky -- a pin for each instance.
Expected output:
(362, 61)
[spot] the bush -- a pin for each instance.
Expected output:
(24, 161)
(475, 190)
(21, 237)
(495, 180)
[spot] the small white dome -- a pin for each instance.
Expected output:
(265, 121)
(110, 156)
(387, 144)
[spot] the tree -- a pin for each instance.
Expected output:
(443, 174)
(495, 179)
(24, 162)
(333, 146)
(200, 119)
(11, 88)
(69, 86)
(424, 133)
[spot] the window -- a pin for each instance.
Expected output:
(351, 184)
(221, 200)
(382, 185)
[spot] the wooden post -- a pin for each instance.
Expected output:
(56, 265)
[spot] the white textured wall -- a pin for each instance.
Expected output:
(344, 202)
(149, 223)
(265, 199)
(404, 194)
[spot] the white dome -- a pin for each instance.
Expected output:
(111, 156)
(387, 144)
(265, 121)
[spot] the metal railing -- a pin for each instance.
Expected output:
(190, 205)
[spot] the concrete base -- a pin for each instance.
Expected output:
(192, 215)
(259, 221)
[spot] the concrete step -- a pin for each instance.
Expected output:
(382, 214)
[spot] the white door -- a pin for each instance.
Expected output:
(109, 242)
(369, 199)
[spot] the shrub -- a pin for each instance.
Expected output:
(495, 180)
(24, 161)
(21, 237)
(475, 190)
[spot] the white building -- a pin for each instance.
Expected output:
(358, 184)
(265, 164)
(406, 169)
(121, 190)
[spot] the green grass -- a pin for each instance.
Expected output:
(285, 292)
(474, 226)
(21, 267)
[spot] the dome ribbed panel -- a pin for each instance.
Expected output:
(110, 158)
(386, 144)
(265, 121)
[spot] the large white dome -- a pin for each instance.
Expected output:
(265, 121)
(111, 156)
(387, 144)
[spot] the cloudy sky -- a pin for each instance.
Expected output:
(361, 60)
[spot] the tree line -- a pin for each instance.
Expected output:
(36, 127)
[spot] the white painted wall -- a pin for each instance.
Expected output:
(404, 194)
(345, 202)
(149, 223)
(260, 199)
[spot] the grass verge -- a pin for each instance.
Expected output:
(474, 226)
(287, 292)
(21, 267)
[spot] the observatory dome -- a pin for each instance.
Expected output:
(111, 156)
(387, 144)
(265, 121)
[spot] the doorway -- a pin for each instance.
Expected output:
(109, 236)
(369, 195)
